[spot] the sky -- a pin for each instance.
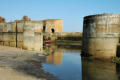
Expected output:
(71, 12)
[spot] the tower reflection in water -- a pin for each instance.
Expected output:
(54, 57)
(91, 69)
(63, 63)
(99, 70)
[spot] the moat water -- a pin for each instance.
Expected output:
(62, 63)
(66, 68)
(67, 64)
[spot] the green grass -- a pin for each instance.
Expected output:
(116, 59)
(66, 41)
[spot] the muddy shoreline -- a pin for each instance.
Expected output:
(22, 64)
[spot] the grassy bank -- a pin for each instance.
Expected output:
(67, 42)
(116, 59)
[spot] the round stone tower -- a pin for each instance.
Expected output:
(101, 35)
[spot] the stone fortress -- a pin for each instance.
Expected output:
(101, 35)
(27, 33)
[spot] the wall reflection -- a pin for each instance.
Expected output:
(99, 70)
(55, 55)
(54, 58)
(63, 63)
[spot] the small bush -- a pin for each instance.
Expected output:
(116, 59)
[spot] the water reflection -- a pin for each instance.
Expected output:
(54, 58)
(64, 64)
(99, 70)
(67, 64)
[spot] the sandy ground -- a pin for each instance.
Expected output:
(17, 64)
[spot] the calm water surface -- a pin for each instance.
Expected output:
(66, 68)
(68, 65)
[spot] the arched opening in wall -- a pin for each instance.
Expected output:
(53, 30)
(44, 27)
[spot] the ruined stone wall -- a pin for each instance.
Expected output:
(22, 34)
(101, 35)
(63, 36)
(50, 24)
(8, 34)
(33, 37)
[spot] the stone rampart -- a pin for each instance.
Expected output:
(101, 35)
(22, 34)
(63, 36)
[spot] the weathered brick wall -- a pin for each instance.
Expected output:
(18, 34)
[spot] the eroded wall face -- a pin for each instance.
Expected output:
(8, 34)
(26, 35)
(100, 35)
(33, 38)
